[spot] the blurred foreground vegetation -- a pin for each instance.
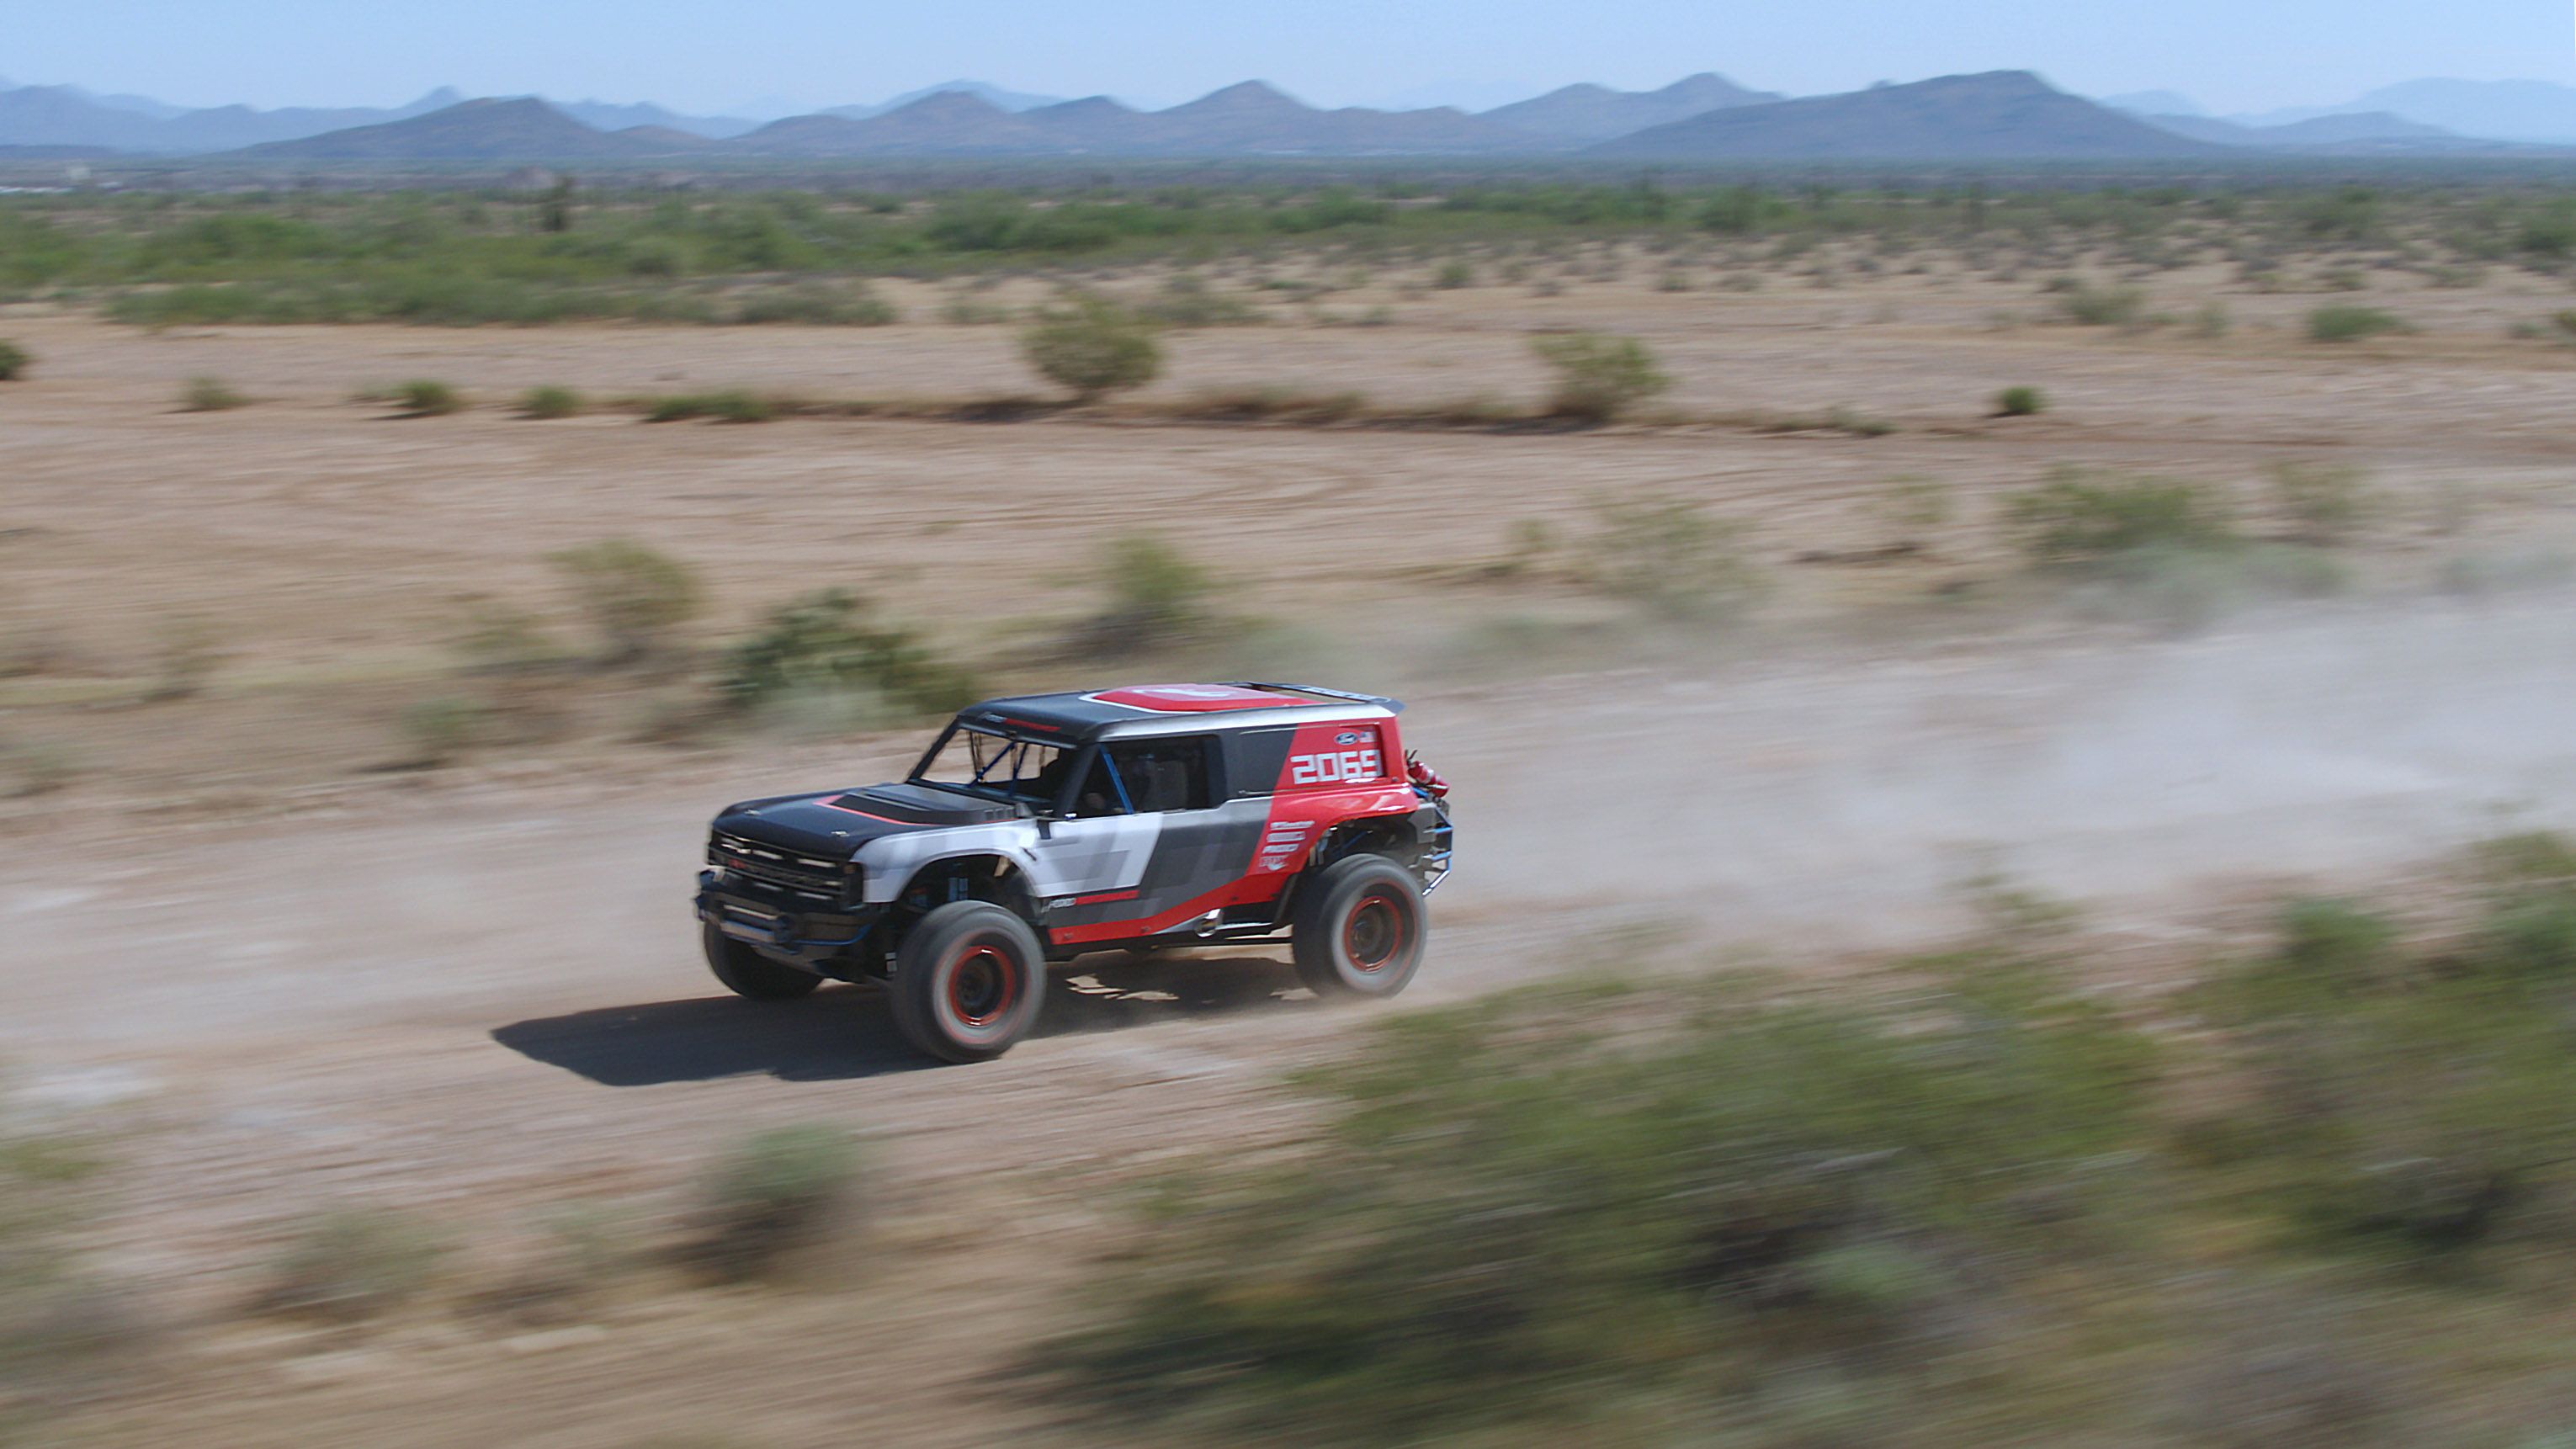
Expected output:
(2326, 1196)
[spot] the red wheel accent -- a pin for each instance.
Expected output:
(982, 985)
(1373, 933)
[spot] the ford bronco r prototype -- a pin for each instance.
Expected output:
(1041, 827)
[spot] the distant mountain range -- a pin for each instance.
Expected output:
(1999, 115)
(2360, 133)
(486, 130)
(1598, 113)
(70, 116)
(2526, 111)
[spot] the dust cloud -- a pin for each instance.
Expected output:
(1845, 801)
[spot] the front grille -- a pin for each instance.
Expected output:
(806, 877)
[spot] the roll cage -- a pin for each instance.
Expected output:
(998, 770)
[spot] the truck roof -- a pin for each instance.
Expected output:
(1166, 708)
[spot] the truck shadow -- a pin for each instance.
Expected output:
(845, 1033)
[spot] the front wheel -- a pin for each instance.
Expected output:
(968, 981)
(1359, 928)
(745, 972)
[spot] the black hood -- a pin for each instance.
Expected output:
(835, 823)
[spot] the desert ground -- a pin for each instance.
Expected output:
(285, 966)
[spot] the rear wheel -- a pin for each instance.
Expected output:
(1359, 928)
(745, 972)
(968, 982)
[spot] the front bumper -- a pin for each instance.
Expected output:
(815, 940)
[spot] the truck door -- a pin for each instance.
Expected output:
(1155, 805)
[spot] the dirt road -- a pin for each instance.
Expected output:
(469, 996)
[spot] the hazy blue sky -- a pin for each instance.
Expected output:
(2230, 54)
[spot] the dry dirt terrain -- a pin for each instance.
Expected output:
(291, 977)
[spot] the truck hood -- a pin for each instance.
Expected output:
(836, 823)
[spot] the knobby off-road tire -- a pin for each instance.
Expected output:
(968, 982)
(745, 972)
(1359, 928)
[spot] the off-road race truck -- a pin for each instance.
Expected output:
(1041, 827)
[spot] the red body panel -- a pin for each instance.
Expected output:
(1336, 771)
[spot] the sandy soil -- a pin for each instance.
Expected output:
(298, 980)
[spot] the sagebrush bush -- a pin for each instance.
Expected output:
(2410, 1101)
(1669, 556)
(2081, 519)
(818, 304)
(440, 729)
(1266, 404)
(772, 1198)
(725, 407)
(2344, 322)
(635, 594)
(354, 1263)
(426, 398)
(823, 641)
(207, 394)
(63, 1328)
(1091, 348)
(1187, 301)
(1156, 596)
(2086, 305)
(14, 361)
(2020, 402)
(1454, 274)
(550, 403)
(185, 653)
(1598, 376)
(1521, 1213)
(2325, 503)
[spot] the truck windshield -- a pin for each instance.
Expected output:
(996, 766)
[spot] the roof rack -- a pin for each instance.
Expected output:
(1391, 706)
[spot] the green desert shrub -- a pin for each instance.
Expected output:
(14, 361)
(2087, 305)
(207, 394)
(2020, 402)
(635, 594)
(1454, 274)
(2408, 1101)
(2346, 322)
(1272, 404)
(2325, 503)
(353, 1263)
(2081, 519)
(1092, 347)
(733, 406)
(768, 1201)
(1187, 301)
(440, 729)
(426, 398)
(2158, 550)
(1539, 1212)
(550, 403)
(1598, 376)
(824, 642)
(818, 304)
(66, 1330)
(1670, 557)
(1156, 596)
